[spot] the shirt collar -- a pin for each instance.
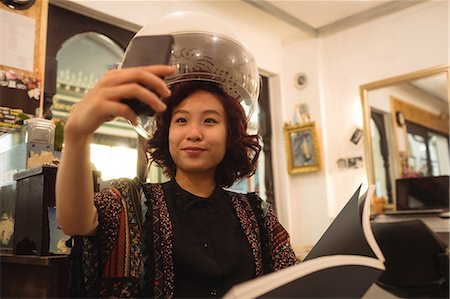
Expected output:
(185, 199)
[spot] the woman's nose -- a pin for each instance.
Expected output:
(194, 133)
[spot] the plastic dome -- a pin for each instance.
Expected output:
(204, 49)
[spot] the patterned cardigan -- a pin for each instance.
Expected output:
(124, 259)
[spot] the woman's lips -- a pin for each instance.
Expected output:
(193, 150)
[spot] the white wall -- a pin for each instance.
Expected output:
(307, 194)
(407, 41)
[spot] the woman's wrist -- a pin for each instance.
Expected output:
(72, 134)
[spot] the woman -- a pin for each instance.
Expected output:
(185, 238)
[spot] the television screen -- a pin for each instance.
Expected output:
(423, 193)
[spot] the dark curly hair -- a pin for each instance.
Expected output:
(242, 150)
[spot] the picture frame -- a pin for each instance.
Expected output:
(302, 148)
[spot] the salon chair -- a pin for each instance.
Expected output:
(417, 261)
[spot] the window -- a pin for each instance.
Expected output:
(428, 151)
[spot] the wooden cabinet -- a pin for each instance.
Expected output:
(30, 276)
(35, 195)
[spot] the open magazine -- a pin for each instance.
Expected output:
(344, 263)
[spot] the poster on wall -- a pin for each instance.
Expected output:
(18, 36)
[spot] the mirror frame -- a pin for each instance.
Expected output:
(365, 88)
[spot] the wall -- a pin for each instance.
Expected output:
(407, 41)
(307, 207)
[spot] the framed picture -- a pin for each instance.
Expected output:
(302, 148)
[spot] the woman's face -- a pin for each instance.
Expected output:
(198, 134)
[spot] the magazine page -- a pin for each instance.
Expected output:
(345, 235)
(367, 228)
(322, 277)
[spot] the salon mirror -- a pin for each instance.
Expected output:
(406, 133)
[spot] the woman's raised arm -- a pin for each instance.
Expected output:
(76, 213)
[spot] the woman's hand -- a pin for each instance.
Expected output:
(103, 102)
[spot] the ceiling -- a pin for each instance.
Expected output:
(315, 18)
(435, 85)
(285, 19)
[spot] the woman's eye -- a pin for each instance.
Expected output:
(180, 120)
(211, 121)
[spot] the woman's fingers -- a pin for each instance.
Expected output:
(161, 70)
(91, 113)
(104, 103)
(148, 76)
(135, 91)
(118, 109)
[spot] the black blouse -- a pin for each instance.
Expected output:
(211, 252)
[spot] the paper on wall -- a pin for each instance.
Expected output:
(17, 35)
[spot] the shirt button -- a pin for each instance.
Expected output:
(205, 245)
(213, 292)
